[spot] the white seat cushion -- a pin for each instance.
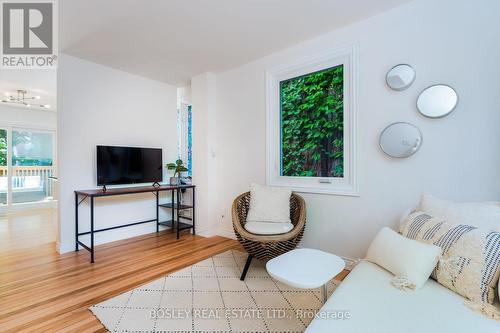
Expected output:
(375, 306)
(268, 228)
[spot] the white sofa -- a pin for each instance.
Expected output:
(375, 306)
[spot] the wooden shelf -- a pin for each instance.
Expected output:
(131, 190)
(172, 224)
(170, 205)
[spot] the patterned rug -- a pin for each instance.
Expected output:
(208, 297)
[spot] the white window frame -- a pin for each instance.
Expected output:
(347, 185)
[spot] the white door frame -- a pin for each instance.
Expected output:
(10, 127)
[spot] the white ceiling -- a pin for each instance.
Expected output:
(37, 82)
(173, 40)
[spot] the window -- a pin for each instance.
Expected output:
(185, 139)
(3, 167)
(31, 148)
(311, 124)
(26, 165)
(32, 160)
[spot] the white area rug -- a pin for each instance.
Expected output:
(209, 297)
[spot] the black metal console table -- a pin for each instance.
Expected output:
(174, 205)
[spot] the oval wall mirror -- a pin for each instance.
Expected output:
(437, 101)
(400, 140)
(400, 77)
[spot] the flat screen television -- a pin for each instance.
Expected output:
(128, 165)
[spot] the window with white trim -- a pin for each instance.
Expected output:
(311, 118)
(185, 139)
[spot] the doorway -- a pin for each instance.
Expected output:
(27, 163)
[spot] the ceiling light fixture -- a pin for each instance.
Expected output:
(22, 98)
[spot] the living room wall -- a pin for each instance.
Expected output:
(21, 117)
(100, 105)
(459, 157)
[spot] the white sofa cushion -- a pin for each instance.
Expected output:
(470, 262)
(377, 307)
(404, 257)
(269, 204)
(268, 228)
(481, 214)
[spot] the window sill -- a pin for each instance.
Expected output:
(327, 189)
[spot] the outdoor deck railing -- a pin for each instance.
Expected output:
(29, 178)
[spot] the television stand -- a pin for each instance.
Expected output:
(104, 189)
(155, 184)
(174, 206)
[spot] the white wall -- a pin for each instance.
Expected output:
(204, 151)
(29, 118)
(450, 41)
(100, 105)
(184, 95)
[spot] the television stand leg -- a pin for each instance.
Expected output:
(156, 184)
(104, 189)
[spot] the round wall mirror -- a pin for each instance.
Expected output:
(437, 101)
(400, 77)
(400, 140)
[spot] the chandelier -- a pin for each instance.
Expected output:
(22, 98)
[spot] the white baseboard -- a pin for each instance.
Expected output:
(64, 247)
(68, 247)
(205, 233)
(228, 233)
(349, 263)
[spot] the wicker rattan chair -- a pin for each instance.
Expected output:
(266, 247)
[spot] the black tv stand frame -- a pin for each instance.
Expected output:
(175, 206)
(155, 184)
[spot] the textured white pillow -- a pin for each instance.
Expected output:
(269, 204)
(403, 257)
(480, 214)
(470, 258)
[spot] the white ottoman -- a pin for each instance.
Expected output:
(306, 268)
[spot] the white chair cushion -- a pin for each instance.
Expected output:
(404, 257)
(269, 204)
(268, 228)
(480, 214)
(377, 307)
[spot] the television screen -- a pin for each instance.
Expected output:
(128, 165)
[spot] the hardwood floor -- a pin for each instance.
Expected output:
(42, 291)
(27, 229)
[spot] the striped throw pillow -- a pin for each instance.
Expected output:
(470, 264)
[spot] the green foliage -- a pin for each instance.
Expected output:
(312, 124)
(32, 156)
(178, 167)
